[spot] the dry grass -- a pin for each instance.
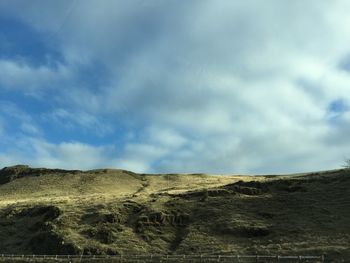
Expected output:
(116, 211)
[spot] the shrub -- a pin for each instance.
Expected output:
(346, 164)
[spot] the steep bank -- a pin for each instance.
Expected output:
(106, 211)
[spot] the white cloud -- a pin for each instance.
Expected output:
(136, 156)
(19, 75)
(37, 152)
(154, 144)
(211, 86)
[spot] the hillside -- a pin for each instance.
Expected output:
(45, 211)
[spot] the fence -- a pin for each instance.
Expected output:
(160, 258)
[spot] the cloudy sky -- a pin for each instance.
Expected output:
(213, 86)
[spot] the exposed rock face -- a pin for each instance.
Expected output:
(248, 188)
(163, 218)
(35, 228)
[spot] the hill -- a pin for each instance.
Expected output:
(106, 211)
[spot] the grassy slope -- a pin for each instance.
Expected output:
(115, 211)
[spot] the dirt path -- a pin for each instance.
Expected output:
(145, 183)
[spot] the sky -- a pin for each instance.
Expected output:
(169, 86)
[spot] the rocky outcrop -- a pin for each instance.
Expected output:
(8, 174)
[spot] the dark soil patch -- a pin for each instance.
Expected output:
(47, 212)
(49, 242)
(243, 231)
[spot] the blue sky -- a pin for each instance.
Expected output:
(222, 87)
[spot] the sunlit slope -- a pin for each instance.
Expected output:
(114, 211)
(24, 184)
(44, 185)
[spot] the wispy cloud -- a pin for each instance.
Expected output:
(17, 75)
(11, 115)
(73, 120)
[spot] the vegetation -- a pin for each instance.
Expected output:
(346, 163)
(115, 212)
